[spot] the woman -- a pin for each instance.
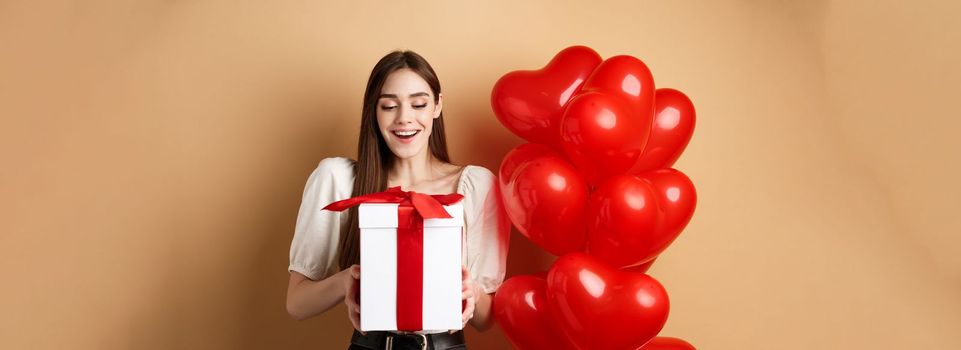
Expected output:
(402, 143)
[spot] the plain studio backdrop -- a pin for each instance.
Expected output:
(155, 152)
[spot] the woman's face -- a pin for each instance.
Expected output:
(405, 113)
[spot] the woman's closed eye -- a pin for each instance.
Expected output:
(387, 108)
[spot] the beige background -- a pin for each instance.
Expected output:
(154, 154)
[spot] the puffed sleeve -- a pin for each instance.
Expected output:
(487, 230)
(313, 249)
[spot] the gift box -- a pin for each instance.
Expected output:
(410, 258)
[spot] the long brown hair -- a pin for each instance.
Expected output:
(374, 158)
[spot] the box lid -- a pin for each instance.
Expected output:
(384, 215)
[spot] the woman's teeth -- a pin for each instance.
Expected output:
(407, 133)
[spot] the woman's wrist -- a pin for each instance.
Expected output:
(346, 278)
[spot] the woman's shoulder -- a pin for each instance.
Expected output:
(477, 178)
(332, 178)
(336, 166)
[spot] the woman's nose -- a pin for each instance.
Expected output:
(406, 115)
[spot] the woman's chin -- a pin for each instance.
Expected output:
(406, 151)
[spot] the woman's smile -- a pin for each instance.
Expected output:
(405, 136)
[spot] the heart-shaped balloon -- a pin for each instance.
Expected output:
(606, 125)
(518, 156)
(545, 198)
(601, 136)
(623, 215)
(667, 343)
(671, 130)
(600, 307)
(521, 309)
(677, 198)
(530, 102)
(624, 76)
(634, 218)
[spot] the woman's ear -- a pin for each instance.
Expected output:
(440, 105)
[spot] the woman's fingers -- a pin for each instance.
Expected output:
(467, 284)
(353, 305)
(351, 300)
(468, 311)
(464, 275)
(353, 312)
(468, 295)
(353, 287)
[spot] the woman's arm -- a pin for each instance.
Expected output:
(477, 310)
(482, 319)
(307, 298)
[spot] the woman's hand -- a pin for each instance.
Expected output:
(469, 294)
(351, 296)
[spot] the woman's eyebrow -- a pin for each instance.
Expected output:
(411, 95)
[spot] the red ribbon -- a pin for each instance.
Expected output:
(413, 208)
(428, 206)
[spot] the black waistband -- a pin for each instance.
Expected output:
(377, 340)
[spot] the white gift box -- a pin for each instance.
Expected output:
(442, 257)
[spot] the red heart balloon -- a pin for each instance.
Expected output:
(530, 103)
(545, 198)
(601, 136)
(677, 198)
(624, 215)
(625, 76)
(514, 159)
(521, 309)
(671, 130)
(606, 126)
(636, 217)
(600, 307)
(667, 343)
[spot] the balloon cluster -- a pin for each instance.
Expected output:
(593, 186)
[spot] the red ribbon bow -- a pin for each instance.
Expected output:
(428, 206)
(413, 209)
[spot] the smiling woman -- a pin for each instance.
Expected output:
(402, 143)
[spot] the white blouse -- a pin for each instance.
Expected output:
(313, 251)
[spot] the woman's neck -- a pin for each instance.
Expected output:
(408, 173)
